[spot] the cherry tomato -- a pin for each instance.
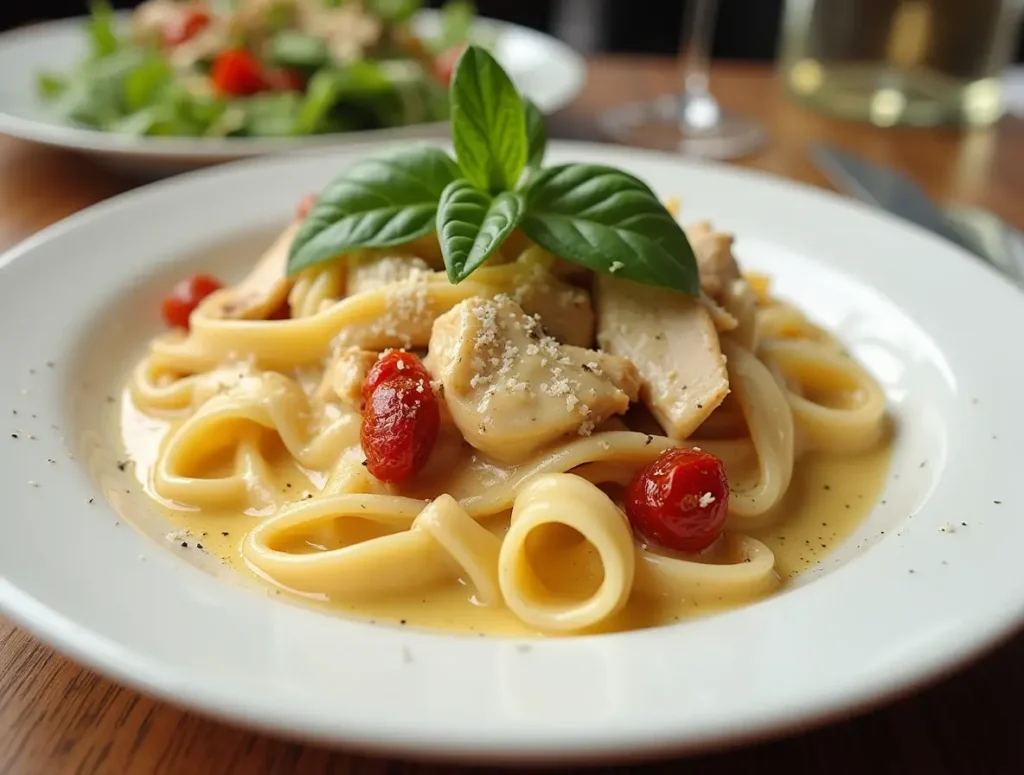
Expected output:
(680, 501)
(394, 363)
(177, 306)
(185, 26)
(238, 73)
(444, 65)
(401, 418)
(305, 206)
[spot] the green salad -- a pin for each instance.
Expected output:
(260, 68)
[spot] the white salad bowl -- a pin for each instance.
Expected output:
(543, 68)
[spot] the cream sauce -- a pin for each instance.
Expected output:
(827, 499)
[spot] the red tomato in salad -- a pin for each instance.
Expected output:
(401, 418)
(305, 206)
(680, 501)
(178, 305)
(287, 79)
(185, 26)
(444, 64)
(237, 73)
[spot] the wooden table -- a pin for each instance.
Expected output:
(56, 717)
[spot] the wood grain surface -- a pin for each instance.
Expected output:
(56, 717)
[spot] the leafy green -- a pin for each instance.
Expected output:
(471, 225)
(536, 135)
(610, 222)
(361, 82)
(101, 29)
(457, 17)
(376, 203)
(50, 85)
(488, 122)
(274, 114)
(291, 48)
(394, 11)
(144, 82)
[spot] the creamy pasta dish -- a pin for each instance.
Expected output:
(538, 435)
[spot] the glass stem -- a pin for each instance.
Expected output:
(698, 108)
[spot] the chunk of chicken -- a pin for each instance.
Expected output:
(345, 376)
(511, 390)
(369, 272)
(402, 314)
(262, 292)
(671, 339)
(715, 261)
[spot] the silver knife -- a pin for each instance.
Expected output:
(977, 231)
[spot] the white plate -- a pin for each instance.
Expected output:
(546, 70)
(898, 603)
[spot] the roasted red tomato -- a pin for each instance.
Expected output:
(177, 306)
(238, 73)
(185, 26)
(401, 418)
(680, 501)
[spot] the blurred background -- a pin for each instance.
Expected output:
(744, 29)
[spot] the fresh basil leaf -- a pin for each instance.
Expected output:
(291, 48)
(609, 221)
(536, 134)
(488, 122)
(471, 225)
(101, 29)
(376, 203)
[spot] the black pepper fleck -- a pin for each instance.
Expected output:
(184, 544)
(963, 524)
(998, 503)
(122, 464)
(199, 546)
(224, 533)
(14, 435)
(649, 440)
(402, 621)
(923, 464)
(828, 487)
(50, 460)
(91, 500)
(363, 464)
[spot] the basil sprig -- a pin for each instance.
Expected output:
(593, 215)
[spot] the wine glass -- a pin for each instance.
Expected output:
(692, 121)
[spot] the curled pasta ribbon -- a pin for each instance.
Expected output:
(753, 575)
(268, 401)
(784, 321)
(770, 421)
(388, 544)
(852, 419)
(543, 505)
(400, 314)
(485, 487)
(316, 289)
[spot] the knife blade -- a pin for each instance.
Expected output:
(897, 194)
